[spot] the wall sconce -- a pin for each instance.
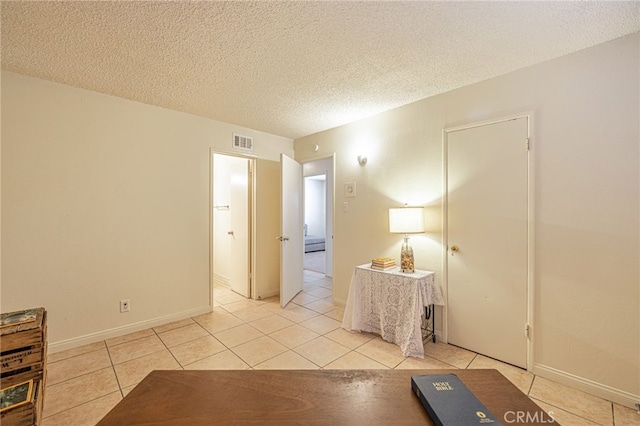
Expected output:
(406, 220)
(362, 160)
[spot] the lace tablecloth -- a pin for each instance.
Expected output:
(391, 304)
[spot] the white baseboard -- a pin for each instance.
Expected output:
(221, 280)
(342, 302)
(63, 345)
(268, 294)
(597, 389)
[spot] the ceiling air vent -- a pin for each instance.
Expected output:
(242, 142)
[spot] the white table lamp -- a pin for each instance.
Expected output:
(406, 220)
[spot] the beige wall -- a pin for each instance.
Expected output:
(586, 325)
(106, 199)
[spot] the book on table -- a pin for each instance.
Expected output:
(448, 401)
(383, 268)
(383, 263)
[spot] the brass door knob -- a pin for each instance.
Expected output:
(454, 249)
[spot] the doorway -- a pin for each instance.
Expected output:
(318, 215)
(315, 219)
(487, 232)
(293, 277)
(231, 216)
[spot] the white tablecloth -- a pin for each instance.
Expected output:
(391, 304)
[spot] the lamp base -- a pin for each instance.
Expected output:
(406, 257)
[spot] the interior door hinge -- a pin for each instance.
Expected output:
(528, 144)
(527, 330)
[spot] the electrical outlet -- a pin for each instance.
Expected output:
(125, 305)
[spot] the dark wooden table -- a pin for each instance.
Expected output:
(316, 397)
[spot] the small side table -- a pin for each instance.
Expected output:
(398, 306)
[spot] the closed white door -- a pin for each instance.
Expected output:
(291, 229)
(487, 233)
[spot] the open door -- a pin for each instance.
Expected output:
(291, 229)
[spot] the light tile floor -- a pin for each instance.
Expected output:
(86, 382)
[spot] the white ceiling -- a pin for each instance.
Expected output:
(294, 68)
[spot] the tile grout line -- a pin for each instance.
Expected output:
(287, 348)
(222, 343)
(531, 385)
(320, 314)
(83, 375)
(218, 340)
(167, 347)
(49, 384)
(566, 411)
(80, 405)
(319, 366)
(113, 367)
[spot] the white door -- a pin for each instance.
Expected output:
(238, 232)
(487, 239)
(291, 229)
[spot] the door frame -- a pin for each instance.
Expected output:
(250, 225)
(528, 115)
(329, 229)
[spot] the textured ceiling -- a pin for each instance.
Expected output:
(294, 68)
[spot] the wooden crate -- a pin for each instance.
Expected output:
(17, 334)
(27, 414)
(21, 358)
(23, 348)
(19, 376)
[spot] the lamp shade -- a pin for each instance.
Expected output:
(406, 220)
